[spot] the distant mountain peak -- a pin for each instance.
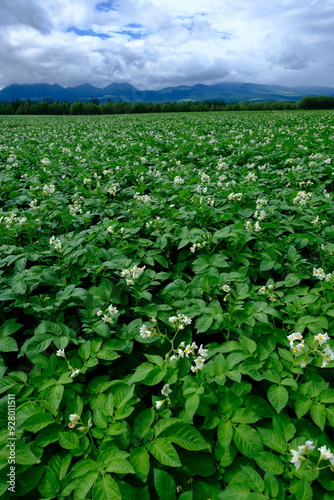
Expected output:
(117, 91)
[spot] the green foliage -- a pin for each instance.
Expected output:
(167, 306)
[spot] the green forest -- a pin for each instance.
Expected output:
(94, 107)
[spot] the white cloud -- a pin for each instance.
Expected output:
(155, 43)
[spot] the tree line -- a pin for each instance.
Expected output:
(94, 107)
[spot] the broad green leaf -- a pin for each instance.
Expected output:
(164, 485)
(165, 452)
(269, 462)
(68, 440)
(120, 466)
(144, 422)
(247, 440)
(186, 436)
(106, 489)
(140, 460)
(225, 433)
(318, 415)
(85, 484)
(38, 421)
(278, 397)
(48, 485)
(252, 478)
(191, 405)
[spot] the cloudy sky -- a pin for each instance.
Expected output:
(156, 43)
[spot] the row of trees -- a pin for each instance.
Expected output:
(93, 107)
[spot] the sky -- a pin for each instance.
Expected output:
(154, 44)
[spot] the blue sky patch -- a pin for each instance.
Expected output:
(106, 6)
(86, 32)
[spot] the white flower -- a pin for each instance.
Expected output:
(325, 453)
(321, 338)
(99, 313)
(202, 352)
(319, 273)
(327, 356)
(166, 390)
(296, 455)
(75, 372)
(107, 319)
(159, 404)
(178, 180)
(61, 353)
(73, 417)
(112, 309)
(308, 446)
(226, 288)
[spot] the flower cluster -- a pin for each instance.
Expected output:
(318, 221)
(302, 198)
(132, 274)
(144, 197)
(165, 391)
(250, 227)
(260, 202)
(113, 189)
(321, 347)
(146, 332)
(292, 338)
(178, 180)
(259, 215)
(180, 321)
(10, 220)
(235, 196)
(48, 189)
(106, 315)
(56, 243)
(75, 208)
(189, 350)
(319, 273)
(298, 456)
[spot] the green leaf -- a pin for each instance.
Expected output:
(252, 478)
(36, 344)
(140, 460)
(120, 466)
(164, 485)
(235, 492)
(192, 403)
(28, 480)
(203, 323)
(244, 416)
(24, 455)
(247, 440)
(186, 436)
(272, 439)
(327, 396)
(318, 415)
(225, 433)
(302, 406)
(269, 462)
(38, 421)
(52, 398)
(304, 490)
(144, 422)
(271, 484)
(165, 452)
(8, 344)
(68, 440)
(107, 489)
(85, 484)
(48, 486)
(278, 397)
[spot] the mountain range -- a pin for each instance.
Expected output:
(227, 91)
